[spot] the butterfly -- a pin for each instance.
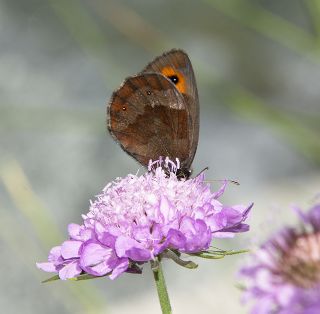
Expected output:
(156, 112)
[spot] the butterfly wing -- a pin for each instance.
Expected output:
(176, 66)
(149, 117)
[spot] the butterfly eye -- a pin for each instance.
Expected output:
(124, 108)
(148, 92)
(174, 79)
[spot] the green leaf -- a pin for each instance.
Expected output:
(190, 265)
(207, 256)
(216, 253)
(79, 278)
(176, 258)
(54, 278)
(241, 286)
(87, 277)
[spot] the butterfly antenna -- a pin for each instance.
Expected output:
(217, 180)
(223, 180)
(203, 170)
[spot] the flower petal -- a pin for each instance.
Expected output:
(121, 266)
(71, 270)
(128, 247)
(70, 249)
(97, 259)
(47, 266)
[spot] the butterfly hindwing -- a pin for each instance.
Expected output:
(148, 116)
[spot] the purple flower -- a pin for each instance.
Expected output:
(137, 218)
(64, 259)
(284, 276)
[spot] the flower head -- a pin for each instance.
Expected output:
(284, 276)
(137, 218)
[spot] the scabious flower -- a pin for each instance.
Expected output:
(284, 276)
(139, 218)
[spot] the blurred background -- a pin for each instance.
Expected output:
(257, 65)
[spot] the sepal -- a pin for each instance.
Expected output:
(176, 258)
(216, 253)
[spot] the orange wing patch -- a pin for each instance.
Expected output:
(176, 77)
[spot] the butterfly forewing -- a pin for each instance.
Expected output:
(149, 117)
(176, 66)
(176, 63)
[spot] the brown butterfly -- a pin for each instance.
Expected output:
(156, 112)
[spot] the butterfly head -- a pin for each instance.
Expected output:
(183, 173)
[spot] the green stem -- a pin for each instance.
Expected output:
(161, 287)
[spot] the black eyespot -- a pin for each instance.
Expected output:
(148, 92)
(174, 79)
(124, 108)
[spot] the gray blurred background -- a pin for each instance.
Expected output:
(257, 65)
